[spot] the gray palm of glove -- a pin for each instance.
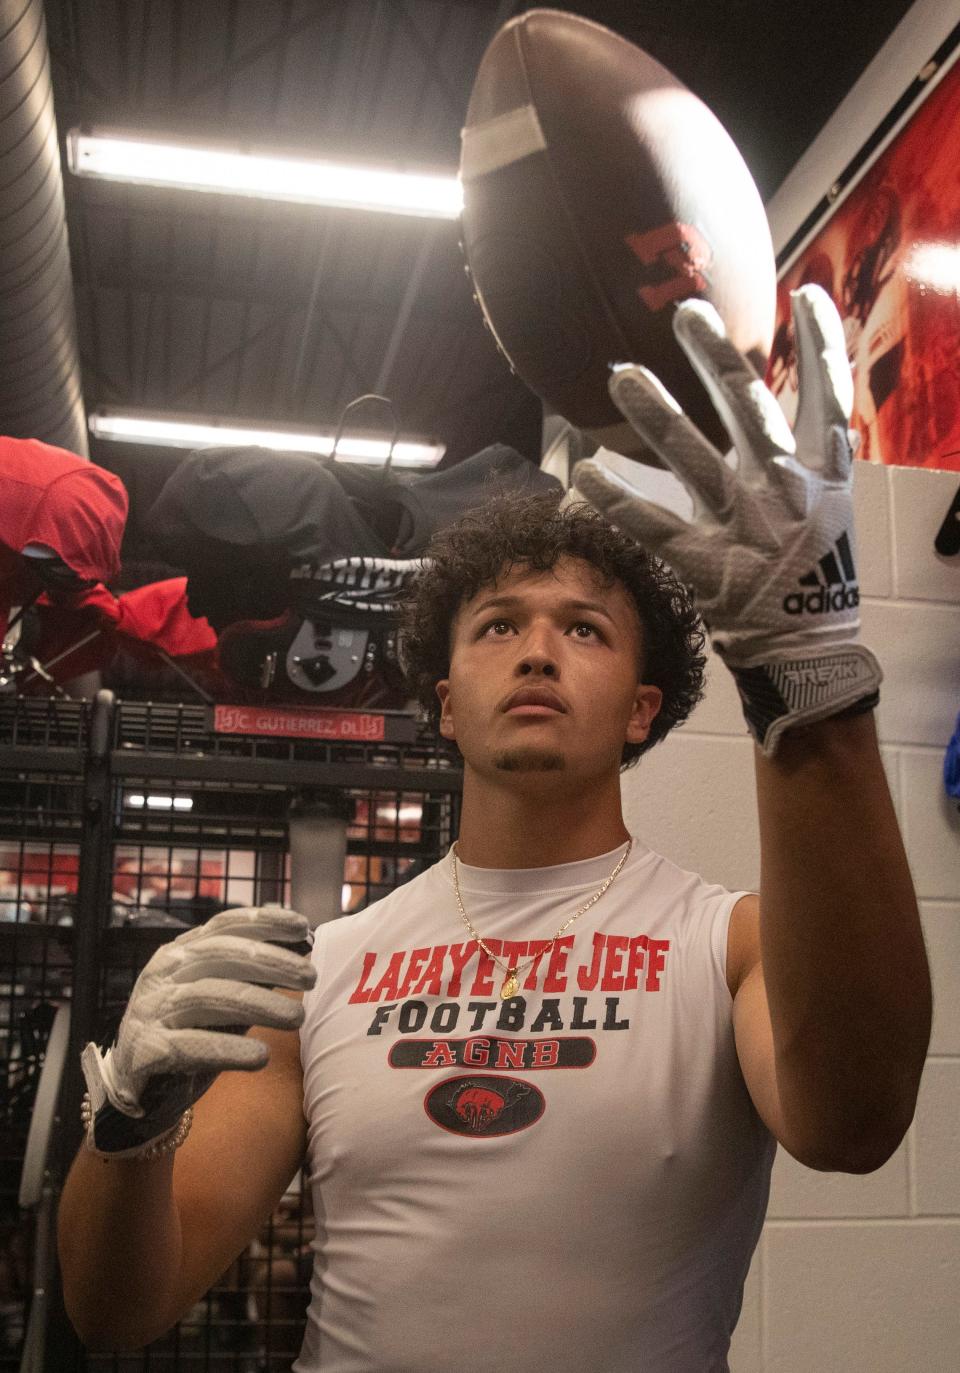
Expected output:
(769, 554)
(184, 1021)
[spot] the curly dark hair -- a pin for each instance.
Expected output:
(532, 531)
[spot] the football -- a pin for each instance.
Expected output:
(598, 193)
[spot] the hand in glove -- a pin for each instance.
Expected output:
(167, 1051)
(769, 554)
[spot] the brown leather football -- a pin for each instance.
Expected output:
(598, 192)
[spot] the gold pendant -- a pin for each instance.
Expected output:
(510, 985)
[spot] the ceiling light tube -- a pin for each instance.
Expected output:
(158, 801)
(153, 162)
(193, 432)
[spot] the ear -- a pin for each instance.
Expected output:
(446, 715)
(646, 708)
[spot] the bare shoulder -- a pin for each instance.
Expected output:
(743, 941)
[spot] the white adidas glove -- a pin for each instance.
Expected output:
(165, 1056)
(769, 555)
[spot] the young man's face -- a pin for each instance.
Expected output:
(544, 675)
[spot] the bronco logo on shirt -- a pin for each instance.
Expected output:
(484, 1105)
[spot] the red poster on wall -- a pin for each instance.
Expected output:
(889, 255)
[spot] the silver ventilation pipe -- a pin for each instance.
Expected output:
(40, 391)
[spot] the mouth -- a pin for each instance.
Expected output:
(534, 702)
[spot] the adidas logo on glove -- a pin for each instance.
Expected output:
(835, 582)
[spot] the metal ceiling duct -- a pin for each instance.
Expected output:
(40, 391)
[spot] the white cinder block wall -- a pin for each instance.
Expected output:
(853, 1274)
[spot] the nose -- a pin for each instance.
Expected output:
(538, 664)
(537, 657)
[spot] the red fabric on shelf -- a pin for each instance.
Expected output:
(151, 617)
(51, 497)
(153, 614)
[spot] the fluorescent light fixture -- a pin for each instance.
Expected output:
(158, 802)
(153, 162)
(191, 432)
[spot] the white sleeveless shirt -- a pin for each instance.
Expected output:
(573, 1179)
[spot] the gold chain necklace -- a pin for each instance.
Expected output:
(511, 983)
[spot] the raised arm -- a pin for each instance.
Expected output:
(835, 1024)
(843, 955)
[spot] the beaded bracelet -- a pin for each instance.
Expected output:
(165, 1144)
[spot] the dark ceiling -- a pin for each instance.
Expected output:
(238, 307)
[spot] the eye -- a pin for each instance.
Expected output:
(585, 624)
(496, 625)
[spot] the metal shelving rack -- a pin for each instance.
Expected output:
(97, 877)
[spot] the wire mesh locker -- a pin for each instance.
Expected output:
(197, 818)
(41, 830)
